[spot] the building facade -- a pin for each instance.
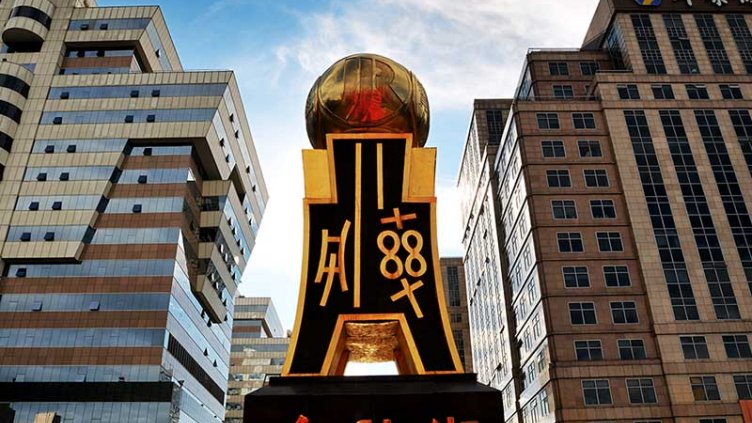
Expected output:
(453, 277)
(623, 223)
(259, 347)
(130, 198)
(485, 295)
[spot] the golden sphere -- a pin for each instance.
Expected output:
(367, 93)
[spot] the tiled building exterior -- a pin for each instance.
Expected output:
(453, 277)
(259, 347)
(622, 184)
(130, 199)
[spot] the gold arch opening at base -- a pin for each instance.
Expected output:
(372, 338)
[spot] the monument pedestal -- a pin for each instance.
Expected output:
(455, 398)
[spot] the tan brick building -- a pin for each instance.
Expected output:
(621, 206)
(130, 199)
(259, 347)
(453, 277)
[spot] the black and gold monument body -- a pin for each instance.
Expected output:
(370, 288)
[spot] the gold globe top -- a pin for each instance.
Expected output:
(367, 93)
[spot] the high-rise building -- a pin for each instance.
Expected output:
(623, 221)
(489, 332)
(453, 276)
(259, 347)
(130, 199)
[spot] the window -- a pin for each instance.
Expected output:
(697, 92)
(737, 346)
(596, 392)
(694, 347)
(558, 179)
(588, 350)
(602, 209)
(596, 178)
(563, 91)
(651, 53)
(609, 241)
(662, 92)
(742, 37)
(624, 312)
(616, 276)
(548, 120)
(743, 386)
(590, 148)
(713, 44)
(631, 349)
(582, 314)
(453, 286)
(558, 68)
(495, 125)
(628, 92)
(677, 34)
(712, 420)
(583, 120)
(541, 361)
(588, 68)
(731, 92)
(570, 242)
(531, 374)
(641, 391)
(576, 276)
(564, 209)
(553, 148)
(704, 388)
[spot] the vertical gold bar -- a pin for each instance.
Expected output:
(380, 174)
(358, 194)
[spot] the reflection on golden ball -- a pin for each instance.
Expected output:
(367, 93)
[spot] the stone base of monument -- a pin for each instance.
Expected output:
(454, 398)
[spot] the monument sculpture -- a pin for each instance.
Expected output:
(370, 287)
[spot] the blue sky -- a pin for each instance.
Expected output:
(459, 49)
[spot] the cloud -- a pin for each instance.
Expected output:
(460, 50)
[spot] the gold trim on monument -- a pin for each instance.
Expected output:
(380, 175)
(357, 212)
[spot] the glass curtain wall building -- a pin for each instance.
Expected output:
(259, 347)
(130, 196)
(621, 208)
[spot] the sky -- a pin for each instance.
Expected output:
(459, 49)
